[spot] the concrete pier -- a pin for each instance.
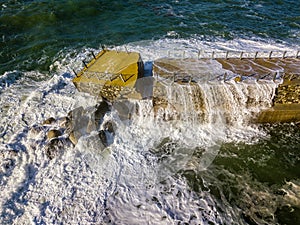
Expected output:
(285, 72)
(267, 85)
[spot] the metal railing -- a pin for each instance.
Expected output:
(196, 54)
(271, 76)
(106, 76)
(203, 54)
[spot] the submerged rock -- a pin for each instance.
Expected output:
(54, 147)
(93, 142)
(35, 130)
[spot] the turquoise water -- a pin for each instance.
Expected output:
(255, 175)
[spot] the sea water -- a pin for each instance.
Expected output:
(219, 169)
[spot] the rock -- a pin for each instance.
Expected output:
(94, 142)
(53, 134)
(102, 137)
(73, 138)
(69, 126)
(53, 147)
(79, 121)
(101, 110)
(76, 113)
(125, 109)
(109, 126)
(238, 79)
(64, 122)
(91, 126)
(161, 102)
(48, 121)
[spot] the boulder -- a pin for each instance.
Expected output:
(125, 109)
(64, 122)
(79, 121)
(109, 126)
(53, 134)
(69, 126)
(238, 79)
(91, 126)
(75, 112)
(53, 147)
(102, 137)
(73, 138)
(49, 121)
(101, 109)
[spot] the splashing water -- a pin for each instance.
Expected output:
(138, 177)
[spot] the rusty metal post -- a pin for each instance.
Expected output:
(84, 64)
(126, 50)
(284, 53)
(225, 76)
(93, 54)
(270, 54)
(275, 74)
(226, 56)
(74, 72)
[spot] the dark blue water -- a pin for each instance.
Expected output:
(33, 32)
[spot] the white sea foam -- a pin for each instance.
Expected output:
(127, 183)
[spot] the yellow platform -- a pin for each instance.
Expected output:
(109, 68)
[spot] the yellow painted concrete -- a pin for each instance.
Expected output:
(111, 68)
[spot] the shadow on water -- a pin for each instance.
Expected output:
(258, 183)
(11, 210)
(8, 165)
